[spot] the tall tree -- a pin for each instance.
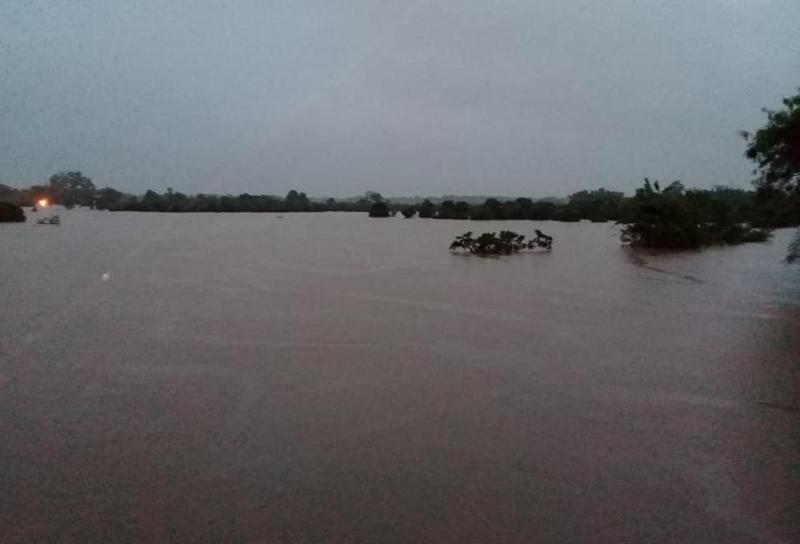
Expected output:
(296, 201)
(427, 209)
(72, 189)
(108, 198)
(775, 147)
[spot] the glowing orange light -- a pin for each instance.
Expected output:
(43, 203)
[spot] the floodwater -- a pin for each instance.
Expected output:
(335, 378)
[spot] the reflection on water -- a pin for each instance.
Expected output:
(330, 377)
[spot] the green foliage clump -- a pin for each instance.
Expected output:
(427, 209)
(379, 209)
(453, 210)
(506, 243)
(108, 198)
(72, 189)
(775, 147)
(11, 213)
(408, 212)
(675, 218)
(597, 206)
(10, 194)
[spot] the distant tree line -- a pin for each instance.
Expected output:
(766, 207)
(71, 189)
(769, 206)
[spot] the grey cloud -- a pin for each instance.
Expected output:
(514, 97)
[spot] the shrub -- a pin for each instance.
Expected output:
(11, 213)
(673, 218)
(506, 243)
(379, 209)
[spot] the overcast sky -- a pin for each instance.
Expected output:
(528, 97)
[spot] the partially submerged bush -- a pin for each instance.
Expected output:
(11, 213)
(678, 219)
(379, 209)
(453, 210)
(427, 209)
(506, 243)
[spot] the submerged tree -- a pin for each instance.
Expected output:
(597, 206)
(427, 209)
(72, 189)
(379, 209)
(506, 243)
(296, 201)
(108, 198)
(453, 210)
(679, 219)
(11, 213)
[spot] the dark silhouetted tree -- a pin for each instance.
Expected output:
(108, 198)
(296, 202)
(379, 209)
(11, 213)
(672, 218)
(775, 147)
(72, 189)
(427, 209)
(453, 210)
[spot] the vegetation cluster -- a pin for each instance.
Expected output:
(766, 207)
(505, 243)
(676, 218)
(672, 217)
(11, 213)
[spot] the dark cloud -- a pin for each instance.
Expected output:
(513, 97)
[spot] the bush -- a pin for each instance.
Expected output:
(506, 243)
(427, 209)
(453, 210)
(673, 218)
(379, 209)
(11, 213)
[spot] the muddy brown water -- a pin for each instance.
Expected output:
(335, 378)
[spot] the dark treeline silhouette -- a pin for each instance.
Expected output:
(71, 189)
(173, 201)
(380, 209)
(769, 206)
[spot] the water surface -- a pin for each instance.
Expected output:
(335, 378)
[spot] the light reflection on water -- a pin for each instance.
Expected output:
(324, 377)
